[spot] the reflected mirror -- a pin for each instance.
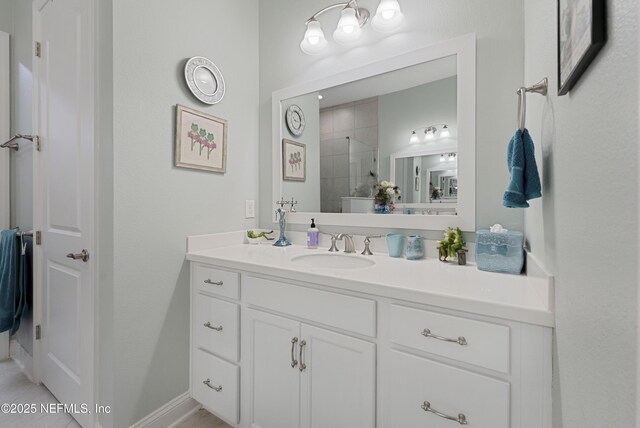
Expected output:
(401, 125)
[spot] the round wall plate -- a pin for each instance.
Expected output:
(204, 80)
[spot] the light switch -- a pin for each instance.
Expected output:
(249, 208)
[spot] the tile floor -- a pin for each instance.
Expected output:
(15, 387)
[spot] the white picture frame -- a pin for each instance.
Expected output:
(201, 140)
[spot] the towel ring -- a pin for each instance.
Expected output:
(539, 88)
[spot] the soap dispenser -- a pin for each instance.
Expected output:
(313, 234)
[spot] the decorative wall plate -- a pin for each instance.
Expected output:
(204, 80)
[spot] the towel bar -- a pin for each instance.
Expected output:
(539, 88)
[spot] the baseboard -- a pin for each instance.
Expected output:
(172, 413)
(4, 345)
(22, 358)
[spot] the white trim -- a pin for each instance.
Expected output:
(464, 48)
(22, 359)
(171, 414)
(5, 156)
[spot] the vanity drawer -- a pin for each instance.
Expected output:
(485, 345)
(217, 326)
(216, 281)
(324, 307)
(483, 401)
(222, 395)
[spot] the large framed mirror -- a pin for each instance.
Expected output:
(407, 120)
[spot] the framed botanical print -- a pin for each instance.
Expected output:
(294, 161)
(201, 140)
(581, 35)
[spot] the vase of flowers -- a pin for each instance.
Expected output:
(386, 194)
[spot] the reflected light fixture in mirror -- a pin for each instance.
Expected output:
(430, 133)
(388, 18)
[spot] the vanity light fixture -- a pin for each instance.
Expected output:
(452, 157)
(442, 158)
(431, 132)
(349, 29)
(320, 96)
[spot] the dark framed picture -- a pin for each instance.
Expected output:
(294, 161)
(582, 31)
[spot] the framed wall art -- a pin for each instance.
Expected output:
(201, 140)
(294, 161)
(581, 34)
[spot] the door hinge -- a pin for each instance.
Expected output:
(38, 332)
(38, 237)
(36, 140)
(38, 49)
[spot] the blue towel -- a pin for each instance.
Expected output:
(525, 181)
(9, 295)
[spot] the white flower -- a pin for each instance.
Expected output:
(384, 183)
(390, 191)
(392, 184)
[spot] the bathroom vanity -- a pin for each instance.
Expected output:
(291, 337)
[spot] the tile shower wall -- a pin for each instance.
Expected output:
(344, 166)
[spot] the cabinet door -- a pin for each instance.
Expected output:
(275, 401)
(338, 382)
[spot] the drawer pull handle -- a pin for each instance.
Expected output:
(294, 362)
(208, 325)
(302, 365)
(460, 340)
(215, 388)
(461, 418)
(208, 281)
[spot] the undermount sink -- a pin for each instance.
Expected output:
(333, 261)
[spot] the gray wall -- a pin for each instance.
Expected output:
(307, 192)
(15, 19)
(585, 232)
(156, 205)
(498, 27)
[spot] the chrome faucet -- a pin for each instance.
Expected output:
(349, 246)
(367, 242)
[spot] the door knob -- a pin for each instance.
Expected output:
(84, 256)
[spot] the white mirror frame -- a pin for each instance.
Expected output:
(464, 48)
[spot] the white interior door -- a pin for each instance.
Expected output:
(4, 155)
(65, 125)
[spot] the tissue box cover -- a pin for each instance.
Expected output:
(500, 252)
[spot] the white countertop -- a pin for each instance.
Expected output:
(515, 297)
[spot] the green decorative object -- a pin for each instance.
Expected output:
(451, 244)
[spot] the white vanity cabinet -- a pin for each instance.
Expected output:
(301, 375)
(269, 351)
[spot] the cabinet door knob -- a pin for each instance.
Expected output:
(461, 418)
(294, 362)
(460, 340)
(302, 364)
(215, 388)
(208, 281)
(208, 325)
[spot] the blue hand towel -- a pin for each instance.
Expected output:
(9, 296)
(525, 181)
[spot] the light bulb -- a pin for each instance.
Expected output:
(348, 31)
(314, 41)
(444, 132)
(429, 133)
(441, 158)
(452, 157)
(414, 137)
(388, 16)
(320, 96)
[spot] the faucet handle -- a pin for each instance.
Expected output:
(334, 238)
(367, 241)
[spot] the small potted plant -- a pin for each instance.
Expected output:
(386, 193)
(256, 237)
(451, 245)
